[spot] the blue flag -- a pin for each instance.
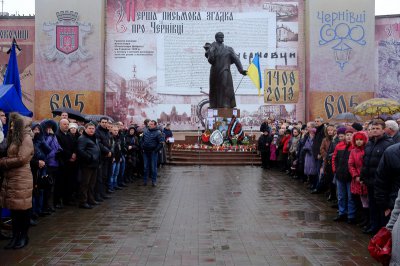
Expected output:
(12, 73)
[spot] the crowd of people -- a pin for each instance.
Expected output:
(356, 165)
(48, 165)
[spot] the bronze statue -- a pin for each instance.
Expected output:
(221, 57)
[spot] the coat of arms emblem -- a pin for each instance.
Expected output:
(67, 35)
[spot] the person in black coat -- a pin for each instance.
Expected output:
(264, 143)
(65, 181)
(89, 154)
(374, 150)
(387, 179)
(132, 154)
(38, 168)
(104, 139)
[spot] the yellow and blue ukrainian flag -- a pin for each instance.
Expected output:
(254, 73)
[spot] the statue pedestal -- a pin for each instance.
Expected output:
(219, 118)
(223, 112)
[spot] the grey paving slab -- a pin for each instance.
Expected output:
(208, 215)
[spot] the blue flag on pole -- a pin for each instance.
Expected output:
(12, 73)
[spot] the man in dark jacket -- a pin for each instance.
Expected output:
(387, 182)
(374, 149)
(89, 158)
(104, 139)
(66, 181)
(392, 130)
(152, 142)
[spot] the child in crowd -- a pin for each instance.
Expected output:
(273, 149)
(340, 166)
(359, 190)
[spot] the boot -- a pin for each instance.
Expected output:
(13, 241)
(365, 218)
(22, 241)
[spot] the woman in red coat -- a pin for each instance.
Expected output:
(360, 191)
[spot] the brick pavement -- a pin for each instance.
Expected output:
(212, 215)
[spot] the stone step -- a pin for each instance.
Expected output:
(206, 157)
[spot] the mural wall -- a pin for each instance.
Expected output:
(23, 30)
(156, 68)
(69, 56)
(387, 38)
(340, 50)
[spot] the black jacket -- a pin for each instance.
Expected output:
(262, 141)
(104, 138)
(317, 141)
(67, 144)
(387, 178)
(373, 154)
(88, 151)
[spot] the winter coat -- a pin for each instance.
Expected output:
(88, 151)
(52, 158)
(387, 178)
(167, 133)
(396, 137)
(317, 141)
(285, 141)
(394, 226)
(41, 149)
(273, 150)
(264, 141)
(355, 164)
(16, 190)
(293, 144)
(152, 140)
(310, 163)
(340, 161)
(116, 148)
(104, 138)
(323, 150)
(67, 144)
(373, 154)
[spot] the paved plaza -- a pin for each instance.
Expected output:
(199, 216)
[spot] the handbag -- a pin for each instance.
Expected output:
(44, 180)
(380, 246)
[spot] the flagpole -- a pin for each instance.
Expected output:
(239, 84)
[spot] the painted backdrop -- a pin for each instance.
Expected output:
(387, 37)
(69, 56)
(341, 62)
(156, 68)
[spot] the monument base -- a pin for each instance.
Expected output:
(223, 112)
(219, 118)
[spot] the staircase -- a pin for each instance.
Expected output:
(200, 157)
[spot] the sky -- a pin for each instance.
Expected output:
(26, 7)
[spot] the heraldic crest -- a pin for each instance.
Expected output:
(67, 35)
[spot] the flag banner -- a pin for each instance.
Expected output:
(12, 73)
(254, 73)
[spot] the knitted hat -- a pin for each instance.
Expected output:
(341, 130)
(350, 130)
(73, 125)
(357, 126)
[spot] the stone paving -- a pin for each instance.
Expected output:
(208, 215)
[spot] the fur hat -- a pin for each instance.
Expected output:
(73, 125)
(357, 126)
